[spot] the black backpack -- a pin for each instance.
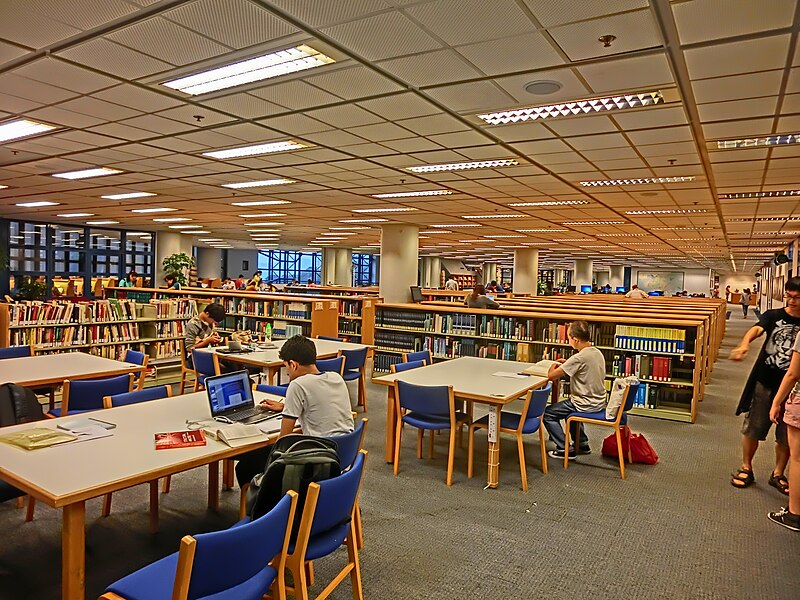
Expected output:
(18, 405)
(293, 462)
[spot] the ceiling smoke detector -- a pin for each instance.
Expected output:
(543, 87)
(606, 40)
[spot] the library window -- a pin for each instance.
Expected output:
(281, 266)
(365, 269)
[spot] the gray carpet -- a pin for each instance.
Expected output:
(675, 530)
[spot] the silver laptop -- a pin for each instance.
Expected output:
(230, 397)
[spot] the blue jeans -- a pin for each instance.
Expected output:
(553, 415)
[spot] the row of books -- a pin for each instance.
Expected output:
(74, 335)
(113, 352)
(382, 362)
(174, 308)
(351, 308)
(399, 318)
(658, 340)
(452, 323)
(259, 308)
(59, 312)
(397, 341)
(164, 349)
(170, 328)
(282, 329)
(643, 366)
(450, 347)
(661, 396)
(348, 326)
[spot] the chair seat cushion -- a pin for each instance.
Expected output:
(155, 582)
(599, 415)
(424, 421)
(351, 375)
(511, 421)
(56, 412)
(326, 542)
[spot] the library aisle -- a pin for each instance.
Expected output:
(677, 530)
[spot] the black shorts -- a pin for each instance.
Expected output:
(756, 422)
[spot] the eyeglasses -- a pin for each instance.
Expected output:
(794, 298)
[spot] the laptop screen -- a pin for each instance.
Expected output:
(230, 392)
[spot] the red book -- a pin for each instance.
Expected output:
(180, 439)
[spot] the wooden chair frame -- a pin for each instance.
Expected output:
(186, 371)
(615, 424)
(520, 446)
(362, 382)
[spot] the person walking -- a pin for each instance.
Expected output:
(745, 301)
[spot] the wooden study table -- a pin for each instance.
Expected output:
(269, 359)
(472, 380)
(66, 476)
(53, 369)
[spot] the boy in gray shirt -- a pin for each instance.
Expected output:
(587, 371)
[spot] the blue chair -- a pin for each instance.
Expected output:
(328, 522)
(348, 446)
(424, 355)
(406, 366)
(240, 563)
(426, 407)
(335, 365)
(137, 358)
(86, 395)
(24, 352)
(276, 390)
(355, 365)
(599, 418)
(329, 338)
(206, 364)
(528, 422)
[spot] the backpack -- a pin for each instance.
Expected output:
(18, 405)
(293, 462)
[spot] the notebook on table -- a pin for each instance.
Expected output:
(540, 368)
(230, 397)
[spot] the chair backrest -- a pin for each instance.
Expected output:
(135, 358)
(424, 399)
(240, 556)
(538, 402)
(275, 390)
(136, 396)
(406, 366)
(329, 338)
(16, 352)
(424, 355)
(349, 445)
(88, 394)
(204, 362)
(335, 365)
(354, 359)
(630, 397)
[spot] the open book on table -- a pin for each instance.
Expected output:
(239, 434)
(540, 368)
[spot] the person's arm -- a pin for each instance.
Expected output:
(741, 350)
(287, 425)
(556, 372)
(491, 304)
(789, 380)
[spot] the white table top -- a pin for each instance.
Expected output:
(269, 358)
(55, 368)
(66, 473)
(472, 378)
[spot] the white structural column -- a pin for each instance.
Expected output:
(583, 273)
(490, 272)
(344, 267)
(601, 278)
(209, 263)
(616, 276)
(526, 271)
(431, 271)
(167, 244)
(328, 266)
(399, 261)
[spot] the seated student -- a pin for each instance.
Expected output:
(130, 280)
(239, 283)
(172, 282)
(201, 330)
(636, 293)
(478, 299)
(492, 287)
(254, 284)
(311, 283)
(587, 371)
(451, 283)
(319, 401)
(228, 284)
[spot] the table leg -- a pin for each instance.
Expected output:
(73, 552)
(493, 476)
(391, 426)
(154, 506)
(271, 375)
(213, 485)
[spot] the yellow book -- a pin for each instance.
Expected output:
(37, 437)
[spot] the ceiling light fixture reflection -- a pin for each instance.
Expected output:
(551, 203)
(450, 225)
(153, 210)
(641, 181)
(494, 216)
(172, 219)
(269, 148)
(86, 173)
(74, 215)
(38, 204)
(128, 195)
(260, 203)
(382, 210)
(479, 164)
(263, 215)
(770, 140)
(541, 230)
(593, 223)
(102, 222)
(364, 221)
(666, 212)
(771, 194)
(262, 183)
(414, 194)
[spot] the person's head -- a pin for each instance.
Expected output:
(634, 287)
(227, 280)
(578, 334)
(451, 276)
(257, 274)
(299, 355)
(493, 282)
(791, 295)
(310, 281)
(170, 278)
(478, 290)
(213, 314)
(133, 275)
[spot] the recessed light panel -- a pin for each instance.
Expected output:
(38, 204)
(746, 195)
(551, 203)
(593, 223)
(641, 181)
(414, 194)
(494, 216)
(771, 140)
(127, 196)
(21, 128)
(540, 230)
(262, 183)
(382, 210)
(479, 164)
(153, 210)
(260, 203)
(74, 215)
(263, 215)
(102, 222)
(269, 148)
(364, 221)
(87, 173)
(185, 226)
(450, 225)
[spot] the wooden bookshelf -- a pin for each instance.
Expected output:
(357, 319)
(670, 351)
(333, 290)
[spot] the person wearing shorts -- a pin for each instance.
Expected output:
(781, 326)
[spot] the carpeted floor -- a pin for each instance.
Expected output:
(675, 530)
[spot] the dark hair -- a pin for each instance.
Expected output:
(132, 272)
(215, 311)
(451, 276)
(241, 275)
(478, 290)
(792, 285)
(170, 277)
(634, 287)
(310, 281)
(580, 330)
(299, 349)
(257, 273)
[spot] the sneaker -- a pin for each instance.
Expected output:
(784, 518)
(559, 453)
(584, 450)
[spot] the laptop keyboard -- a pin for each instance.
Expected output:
(246, 414)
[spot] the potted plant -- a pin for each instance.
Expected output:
(178, 264)
(30, 288)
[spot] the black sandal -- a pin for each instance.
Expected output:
(780, 483)
(742, 478)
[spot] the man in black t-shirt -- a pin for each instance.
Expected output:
(782, 326)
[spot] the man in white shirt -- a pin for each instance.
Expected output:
(587, 371)
(636, 293)
(451, 283)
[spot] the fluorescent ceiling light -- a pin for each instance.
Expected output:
(414, 194)
(772, 194)
(195, 232)
(102, 222)
(641, 181)
(346, 227)
(666, 212)
(573, 239)
(152, 210)
(210, 240)
(576, 107)
(37, 204)
(593, 223)
(3, 187)
(20, 128)
(266, 66)
(551, 203)
(73, 215)
(127, 196)
(264, 230)
(265, 224)
(771, 140)
(260, 203)
(363, 220)
(337, 233)
(171, 219)
(185, 226)
(479, 164)
(263, 215)
(495, 216)
(269, 148)
(503, 236)
(435, 231)
(86, 173)
(382, 210)
(681, 228)
(449, 225)
(541, 230)
(621, 234)
(262, 183)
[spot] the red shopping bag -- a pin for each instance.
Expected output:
(635, 447)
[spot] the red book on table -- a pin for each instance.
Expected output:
(180, 439)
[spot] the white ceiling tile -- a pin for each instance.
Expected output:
(99, 108)
(65, 118)
(32, 90)
(472, 97)
(186, 113)
(550, 12)
(58, 73)
(460, 139)
(320, 14)
(353, 82)
(454, 20)
(641, 74)
(430, 68)
(401, 106)
(433, 124)
(344, 116)
(593, 142)
(651, 117)
(506, 55)
(581, 125)
(113, 58)
(294, 95)
(296, 124)
(412, 145)
(334, 138)
(737, 109)
(753, 85)
(520, 132)
(572, 88)
(739, 57)
(138, 98)
(380, 132)
(245, 105)
(16, 25)
(698, 21)
(660, 136)
(735, 129)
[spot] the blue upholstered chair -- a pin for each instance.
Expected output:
(329, 338)
(355, 365)
(335, 365)
(348, 446)
(599, 418)
(406, 366)
(240, 563)
(276, 390)
(86, 395)
(424, 355)
(426, 407)
(137, 358)
(328, 522)
(24, 352)
(206, 364)
(529, 421)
